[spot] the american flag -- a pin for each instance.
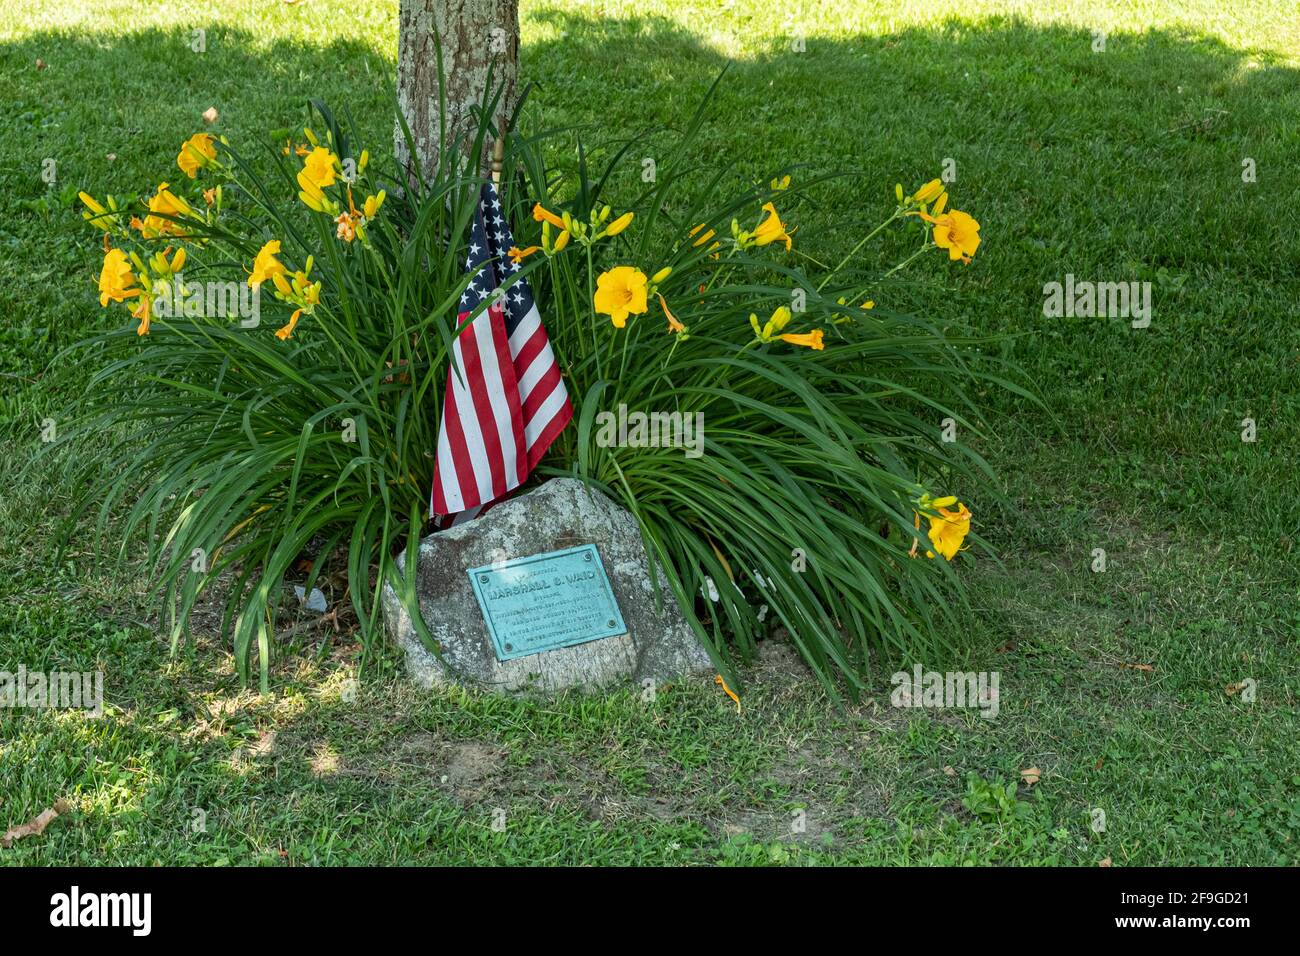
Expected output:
(506, 401)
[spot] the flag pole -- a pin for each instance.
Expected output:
(498, 155)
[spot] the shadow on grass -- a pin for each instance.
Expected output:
(1116, 164)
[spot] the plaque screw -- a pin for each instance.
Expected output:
(483, 579)
(610, 624)
(510, 647)
(587, 558)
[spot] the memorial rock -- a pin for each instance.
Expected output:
(548, 590)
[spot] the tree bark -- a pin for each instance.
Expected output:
(476, 35)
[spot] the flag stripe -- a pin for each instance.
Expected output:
(544, 430)
(485, 406)
(545, 392)
(534, 362)
(507, 407)
(463, 484)
(525, 331)
(475, 466)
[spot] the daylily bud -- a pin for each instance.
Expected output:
(363, 161)
(929, 192)
(661, 275)
(619, 224)
(90, 203)
(561, 241)
(898, 191)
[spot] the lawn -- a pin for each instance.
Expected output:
(1115, 164)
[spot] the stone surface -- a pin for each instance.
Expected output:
(560, 514)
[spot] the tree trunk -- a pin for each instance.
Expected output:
(475, 35)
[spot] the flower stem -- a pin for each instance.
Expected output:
(852, 252)
(919, 252)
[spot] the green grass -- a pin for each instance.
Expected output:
(1117, 165)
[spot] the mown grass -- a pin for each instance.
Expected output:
(1123, 164)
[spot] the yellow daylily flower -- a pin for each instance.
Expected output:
(957, 232)
(948, 529)
(542, 214)
(266, 265)
(163, 203)
(350, 222)
(727, 690)
(320, 166)
(771, 229)
(143, 312)
(285, 331)
(621, 292)
(673, 324)
(811, 340)
(518, 255)
(347, 227)
(196, 152)
(116, 280)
